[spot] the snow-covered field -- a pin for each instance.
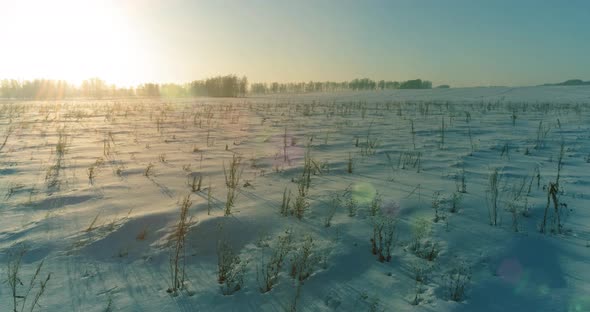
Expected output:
(93, 190)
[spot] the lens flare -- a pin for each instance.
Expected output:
(510, 270)
(363, 193)
(390, 209)
(579, 304)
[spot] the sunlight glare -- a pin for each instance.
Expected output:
(73, 40)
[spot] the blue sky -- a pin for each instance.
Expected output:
(462, 43)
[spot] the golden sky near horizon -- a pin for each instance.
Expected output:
(72, 40)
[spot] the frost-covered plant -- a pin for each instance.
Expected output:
(293, 304)
(232, 176)
(149, 170)
(91, 171)
(460, 182)
(304, 259)
(420, 270)
(492, 196)
(209, 199)
(436, 203)
(194, 181)
(268, 272)
(420, 230)
(412, 132)
(410, 159)
(375, 206)
(285, 203)
(383, 236)
(351, 206)
(542, 133)
(370, 145)
(177, 256)
(92, 225)
(553, 191)
(429, 250)
(62, 143)
(456, 199)
(230, 268)
(335, 202)
(6, 136)
(456, 281)
(442, 133)
(300, 205)
(373, 303)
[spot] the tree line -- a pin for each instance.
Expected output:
(220, 86)
(330, 86)
(571, 82)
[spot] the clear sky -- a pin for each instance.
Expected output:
(457, 42)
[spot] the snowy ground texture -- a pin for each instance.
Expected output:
(91, 194)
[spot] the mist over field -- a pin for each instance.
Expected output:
(294, 156)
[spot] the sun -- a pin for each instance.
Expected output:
(72, 40)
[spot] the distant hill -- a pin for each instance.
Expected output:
(571, 82)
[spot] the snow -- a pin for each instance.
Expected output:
(106, 241)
